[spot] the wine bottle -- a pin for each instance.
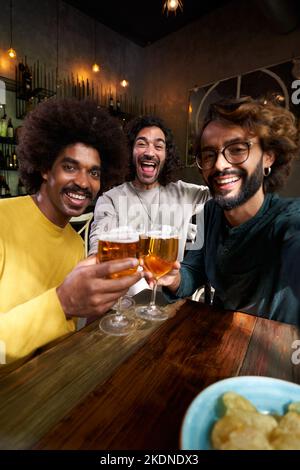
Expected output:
(111, 104)
(2, 161)
(21, 188)
(2, 187)
(9, 163)
(10, 129)
(27, 82)
(118, 106)
(14, 160)
(3, 126)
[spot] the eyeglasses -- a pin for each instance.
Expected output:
(235, 153)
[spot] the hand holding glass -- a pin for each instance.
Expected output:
(118, 243)
(158, 250)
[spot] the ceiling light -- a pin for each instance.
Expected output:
(172, 5)
(124, 83)
(95, 67)
(11, 52)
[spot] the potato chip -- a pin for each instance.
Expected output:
(247, 439)
(287, 434)
(244, 428)
(223, 428)
(233, 401)
(294, 406)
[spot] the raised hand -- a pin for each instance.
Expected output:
(87, 290)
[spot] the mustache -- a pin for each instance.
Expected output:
(148, 158)
(77, 189)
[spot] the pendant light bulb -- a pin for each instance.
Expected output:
(124, 83)
(96, 67)
(12, 53)
(172, 5)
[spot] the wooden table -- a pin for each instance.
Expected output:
(93, 391)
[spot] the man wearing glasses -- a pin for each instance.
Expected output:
(251, 248)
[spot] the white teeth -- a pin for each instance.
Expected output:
(76, 196)
(148, 164)
(226, 180)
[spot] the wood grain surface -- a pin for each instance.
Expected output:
(100, 392)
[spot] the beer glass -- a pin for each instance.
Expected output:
(158, 251)
(118, 243)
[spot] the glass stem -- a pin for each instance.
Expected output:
(153, 295)
(119, 314)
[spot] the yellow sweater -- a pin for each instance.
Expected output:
(35, 257)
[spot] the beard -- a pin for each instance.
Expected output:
(250, 185)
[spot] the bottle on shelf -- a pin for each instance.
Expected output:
(15, 164)
(118, 106)
(3, 126)
(111, 104)
(2, 161)
(10, 129)
(27, 81)
(9, 162)
(4, 188)
(21, 188)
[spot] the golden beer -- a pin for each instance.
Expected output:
(159, 254)
(112, 249)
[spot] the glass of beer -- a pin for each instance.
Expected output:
(158, 252)
(118, 243)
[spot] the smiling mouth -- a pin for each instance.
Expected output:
(148, 167)
(76, 197)
(226, 181)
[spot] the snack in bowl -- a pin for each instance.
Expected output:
(243, 427)
(270, 396)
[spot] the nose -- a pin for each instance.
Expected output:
(221, 163)
(150, 150)
(82, 179)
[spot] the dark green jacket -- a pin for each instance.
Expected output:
(255, 267)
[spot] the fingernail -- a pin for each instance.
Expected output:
(134, 262)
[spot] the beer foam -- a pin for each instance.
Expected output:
(164, 233)
(120, 235)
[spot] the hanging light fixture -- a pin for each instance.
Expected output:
(11, 52)
(124, 83)
(57, 79)
(172, 5)
(95, 67)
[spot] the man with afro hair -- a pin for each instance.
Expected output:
(67, 150)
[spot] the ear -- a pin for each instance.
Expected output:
(268, 158)
(45, 175)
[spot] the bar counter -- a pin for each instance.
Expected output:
(93, 391)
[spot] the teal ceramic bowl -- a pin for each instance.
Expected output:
(267, 394)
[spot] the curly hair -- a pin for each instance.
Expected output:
(274, 125)
(172, 163)
(57, 123)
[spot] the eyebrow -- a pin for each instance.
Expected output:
(227, 142)
(76, 162)
(159, 139)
